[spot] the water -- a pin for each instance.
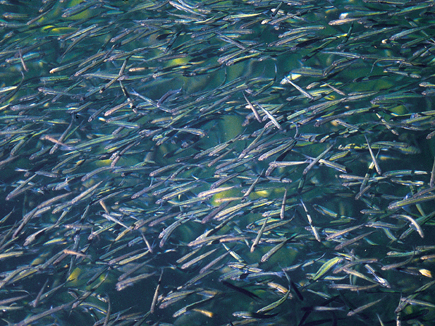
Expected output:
(117, 116)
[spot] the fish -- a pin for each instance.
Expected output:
(204, 151)
(326, 267)
(362, 308)
(274, 305)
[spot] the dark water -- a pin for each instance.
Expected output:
(248, 133)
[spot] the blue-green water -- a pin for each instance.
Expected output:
(285, 145)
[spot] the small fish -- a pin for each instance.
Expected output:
(362, 308)
(352, 241)
(274, 305)
(328, 265)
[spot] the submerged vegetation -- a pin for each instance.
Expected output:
(217, 162)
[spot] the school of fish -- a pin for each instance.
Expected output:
(217, 162)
